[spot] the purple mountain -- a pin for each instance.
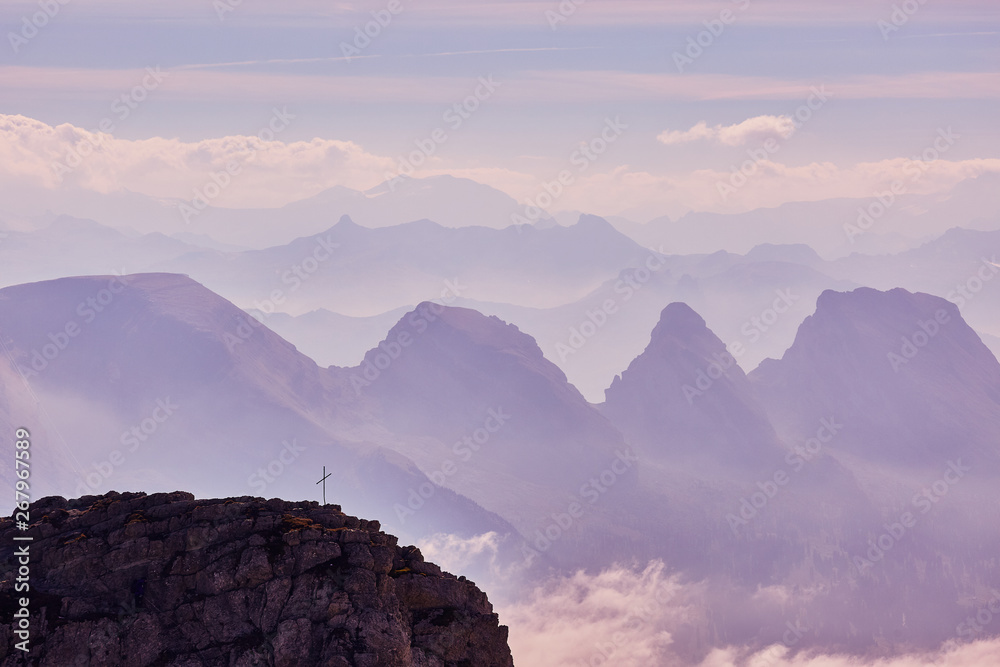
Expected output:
(911, 382)
(685, 399)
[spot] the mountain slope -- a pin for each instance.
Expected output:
(152, 381)
(476, 392)
(912, 383)
(685, 399)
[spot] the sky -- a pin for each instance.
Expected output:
(812, 101)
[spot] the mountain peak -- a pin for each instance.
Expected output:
(892, 363)
(685, 399)
(594, 222)
(474, 328)
(442, 370)
(678, 321)
(422, 225)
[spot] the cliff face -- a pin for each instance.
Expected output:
(131, 580)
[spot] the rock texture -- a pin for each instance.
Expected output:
(167, 580)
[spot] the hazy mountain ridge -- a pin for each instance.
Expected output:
(167, 361)
(909, 360)
(451, 201)
(686, 386)
(833, 227)
(549, 475)
(550, 281)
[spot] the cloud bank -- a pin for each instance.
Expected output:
(259, 170)
(631, 617)
(271, 172)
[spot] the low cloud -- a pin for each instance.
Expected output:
(276, 172)
(460, 554)
(271, 172)
(643, 195)
(752, 130)
(631, 617)
(617, 617)
(977, 654)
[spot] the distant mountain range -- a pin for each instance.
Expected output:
(457, 422)
(350, 283)
(833, 227)
(449, 201)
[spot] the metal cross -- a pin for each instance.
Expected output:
(324, 483)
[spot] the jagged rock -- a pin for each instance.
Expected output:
(134, 579)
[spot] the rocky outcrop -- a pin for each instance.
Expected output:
(134, 579)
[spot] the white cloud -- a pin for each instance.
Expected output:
(637, 618)
(696, 133)
(458, 554)
(757, 129)
(274, 173)
(643, 195)
(617, 617)
(270, 173)
(977, 654)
